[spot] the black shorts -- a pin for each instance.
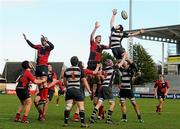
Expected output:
(125, 93)
(41, 70)
(160, 95)
(75, 94)
(105, 93)
(23, 94)
(92, 65)
(50, 94)
(117, 52)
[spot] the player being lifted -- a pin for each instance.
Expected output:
(43, 52)
(94, 61)
(116, 37)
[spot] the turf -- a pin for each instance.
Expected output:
(169, 119)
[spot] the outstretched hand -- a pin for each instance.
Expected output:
(97, 25)
(24, 36)
(114, 11)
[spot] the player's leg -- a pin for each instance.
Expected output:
(57, 100)
(80, 105)
(76, 115)
(27, 104)
(95, 110)
(91, 84)
(110, 111)
(69, 104)
(50, 96)
(21, 98)
(123, 109)
(160, 105)
(18, 114)
(124, 56)
(101, 108)
(136, 108)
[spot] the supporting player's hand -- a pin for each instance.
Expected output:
(97, 24)
(114, 11)
(24, 36)
(90, 93)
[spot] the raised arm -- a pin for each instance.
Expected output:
(84, 81)
(94, 30)
(29, 43)
(136, 33)
(112, 22)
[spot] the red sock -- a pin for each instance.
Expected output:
(76, 116)
(18, 116)
(24, 118)
(101, 111)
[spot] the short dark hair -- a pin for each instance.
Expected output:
(121, 28)
(74, 61)
(97, 36)
(25, 64)
(49, 64)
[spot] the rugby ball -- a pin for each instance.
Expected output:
(124, 15)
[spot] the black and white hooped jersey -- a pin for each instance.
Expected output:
(109, 76)
(116, 38)
(126, 76)
(73, 77)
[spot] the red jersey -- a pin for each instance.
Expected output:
(162, 87)
(88, 72)
(25, 79)
(50, 79)
(43, 54)
(96, 51)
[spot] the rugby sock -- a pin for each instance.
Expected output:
(76, 116)
(66, 116)
(139, 116)
(101, 111)
(94, 113)
(18, 116)
(24, 119)
(109, 115)
(123, 116)
(82, 116)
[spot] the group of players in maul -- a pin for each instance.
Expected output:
(76, 78)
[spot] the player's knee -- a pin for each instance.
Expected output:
(68, 106)
(133, 101)
(122, 101)
(29, 102)
(112, 103)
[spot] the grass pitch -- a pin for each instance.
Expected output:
(169, 119)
